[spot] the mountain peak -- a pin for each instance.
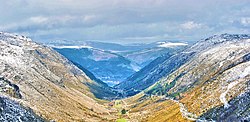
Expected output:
(226, 37)
(15, 40)
(217, 40)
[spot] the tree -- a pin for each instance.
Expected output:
(123, 111)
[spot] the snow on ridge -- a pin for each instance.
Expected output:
(231, 85)
(135, 67)
(223, 95)
(71, 47)
(161, 42)
(17, 40)
(227, 37)
(245, 72)
(171, 44)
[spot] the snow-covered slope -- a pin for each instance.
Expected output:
(215, 79)
(211, 84)
(165, 65)
(171, 44)
(43, 80)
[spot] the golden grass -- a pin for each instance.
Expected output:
(153, 109)
(206, 96)
(167, 111)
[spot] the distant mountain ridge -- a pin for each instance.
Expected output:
(115, 47)
(106, 66)
(113, 63)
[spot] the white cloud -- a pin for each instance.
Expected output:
(38, 19)
(88, 18)
(191, 25)
(245, 21)
(129, 20)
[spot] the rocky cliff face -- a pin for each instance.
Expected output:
(43, 80)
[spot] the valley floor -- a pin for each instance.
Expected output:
(144, 108)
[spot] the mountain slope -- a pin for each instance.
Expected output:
(41, 79)
(151, 73)
(165, 65)
(215, 78)
(237, 111)
(145, 56)
(213, 85)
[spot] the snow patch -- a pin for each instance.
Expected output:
(231, 58)
(186, 113)
(221, 64)
(171, 44)
(223, 95)
(135, 67)
(245, 72)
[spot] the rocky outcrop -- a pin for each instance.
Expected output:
(11, 89)
(11, 111)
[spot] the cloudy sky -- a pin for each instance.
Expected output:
(124, 21)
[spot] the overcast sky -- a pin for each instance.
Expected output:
(124, 21)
